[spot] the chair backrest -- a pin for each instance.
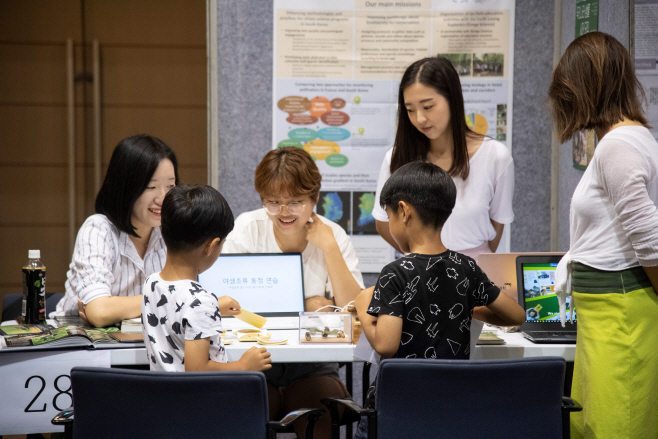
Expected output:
(11, 306)
(460, 398)
(112, 403)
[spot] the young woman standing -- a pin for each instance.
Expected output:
(432, 127)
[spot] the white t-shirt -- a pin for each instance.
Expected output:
(613, 221)
(254, 233)
(173, 312)
(486, 194)
(106, 263)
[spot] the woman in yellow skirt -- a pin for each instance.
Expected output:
(612, 264)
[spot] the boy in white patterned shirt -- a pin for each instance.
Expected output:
(181, 321)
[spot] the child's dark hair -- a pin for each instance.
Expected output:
(191, 215)
(426, 187)
(130, 171)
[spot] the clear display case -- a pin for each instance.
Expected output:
(325, 327)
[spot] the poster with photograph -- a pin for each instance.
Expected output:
(337, 69)
(584, 142)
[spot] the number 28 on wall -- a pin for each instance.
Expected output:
(56, 399)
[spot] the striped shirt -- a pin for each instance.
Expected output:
(106, 263)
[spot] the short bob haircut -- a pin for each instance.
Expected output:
(594, 86)
(288, 171)
(410, 144)
(131, 168)
(192, 215)
(426, 187)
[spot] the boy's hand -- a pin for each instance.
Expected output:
(256, 359)
(228, 306)
(362, 301)
(319, 234)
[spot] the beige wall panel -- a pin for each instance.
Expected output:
(182, 129)
(52, 241)
(193, 174)
(38, 135)
(153, 76)
(33, 195)
(171, 22)
(33, 74)
(39, 20)
(33, 134)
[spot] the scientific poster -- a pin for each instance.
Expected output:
(337, 69)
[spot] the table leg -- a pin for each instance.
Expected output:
(349, 377)
(365, 383)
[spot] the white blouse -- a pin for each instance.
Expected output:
(106, 263)
(486, 194)
(614, 218)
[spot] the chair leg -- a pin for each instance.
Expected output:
(335, 421)
(310, 425)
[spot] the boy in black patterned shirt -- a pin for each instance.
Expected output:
(422, 304)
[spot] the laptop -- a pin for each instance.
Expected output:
(536, 286)
(269, 284)
(500, 268)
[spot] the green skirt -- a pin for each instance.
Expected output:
(616, 367)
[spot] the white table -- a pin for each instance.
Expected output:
(43, 380)
(520, 347)
(293, 352)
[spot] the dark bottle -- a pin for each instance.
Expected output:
(34, 289)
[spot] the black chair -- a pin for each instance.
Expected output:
(12, 305)
(113, 403)
(518, 398)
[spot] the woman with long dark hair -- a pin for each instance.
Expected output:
(432, 127)
(121, 245)
(611, 269)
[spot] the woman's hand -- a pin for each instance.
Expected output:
(228, 306)
(81, 311)
(498, 227)
(345, 287)
(319, 234)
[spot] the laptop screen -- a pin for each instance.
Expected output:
(537, 275)
(270, 284)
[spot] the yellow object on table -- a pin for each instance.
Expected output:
(251, 335)
(251, 318)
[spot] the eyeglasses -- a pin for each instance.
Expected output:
(294, 208)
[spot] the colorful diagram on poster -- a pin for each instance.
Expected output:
(321, 144)
(335, 206)
(364, 222)
(477, 123)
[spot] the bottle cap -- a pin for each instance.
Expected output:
(34, 254)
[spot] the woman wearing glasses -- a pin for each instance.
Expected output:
(288, 182)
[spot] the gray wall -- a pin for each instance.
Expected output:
(613, 19)
(244, 49)
(531, 136)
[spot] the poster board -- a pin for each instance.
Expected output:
(336, 73)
